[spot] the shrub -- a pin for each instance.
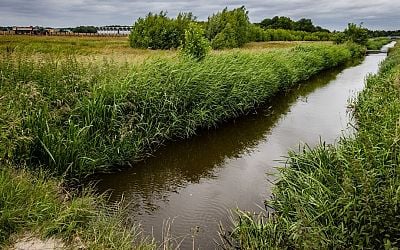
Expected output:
(225, 39)
(234, 24)
(195, 46)
(157, 31)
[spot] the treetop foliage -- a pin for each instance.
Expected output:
(225, 29)
(353, 33)
(282, 22)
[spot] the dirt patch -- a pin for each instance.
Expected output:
(34, 243)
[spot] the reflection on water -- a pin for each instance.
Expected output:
(196, 181)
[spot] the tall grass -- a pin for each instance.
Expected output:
(377, 43)
(75, 118)
(340, 197)
(39, 206)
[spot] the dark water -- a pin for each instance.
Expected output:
(195, 182)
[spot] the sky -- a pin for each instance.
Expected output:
(331, 14)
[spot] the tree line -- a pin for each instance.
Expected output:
(282, 22)
(225, 29)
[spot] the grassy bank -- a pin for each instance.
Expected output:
(38, 206)
(74, 117)
(377, 43)
(344, 196)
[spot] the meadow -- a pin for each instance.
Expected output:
(344, 196)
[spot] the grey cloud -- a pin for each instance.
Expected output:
(327, 13)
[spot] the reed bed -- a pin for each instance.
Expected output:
(73, 118)
(377, 43)
(339, 197)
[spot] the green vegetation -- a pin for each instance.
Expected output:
(228, 29)
(282, 22)
(157, 31)
(344, 196)
(36, 205)
(377, 43)
(381, 33)
(354, 34)
(74, 118)
(195, 46)
(225, 29)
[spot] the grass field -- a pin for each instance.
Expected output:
(116, 49)
(345, 196)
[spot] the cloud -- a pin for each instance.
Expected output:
(382, 14)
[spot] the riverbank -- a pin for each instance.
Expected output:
(74, 118)
(35, 208)
(343, 196)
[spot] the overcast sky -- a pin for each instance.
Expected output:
(332, 14)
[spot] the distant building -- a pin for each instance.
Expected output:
(30, 30)
(23, 30)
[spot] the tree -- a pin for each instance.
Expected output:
(234, 26)
(304, 25)
(277, 22)
(356, 34)
(225, 39)
(195, 45)
(157, 31)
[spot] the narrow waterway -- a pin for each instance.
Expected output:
(195, 182)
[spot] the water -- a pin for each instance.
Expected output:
(195, 182)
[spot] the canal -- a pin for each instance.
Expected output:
(193, 184)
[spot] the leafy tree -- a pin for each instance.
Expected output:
(157, 31)
(195, 44)
(227, 38)
(356, 34)
(277, 22)
(304, 25)
(234, 25)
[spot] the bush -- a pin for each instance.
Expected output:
(225, 39)
(356, 34)
(233, 24)
(157, 31)
(195, 46)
